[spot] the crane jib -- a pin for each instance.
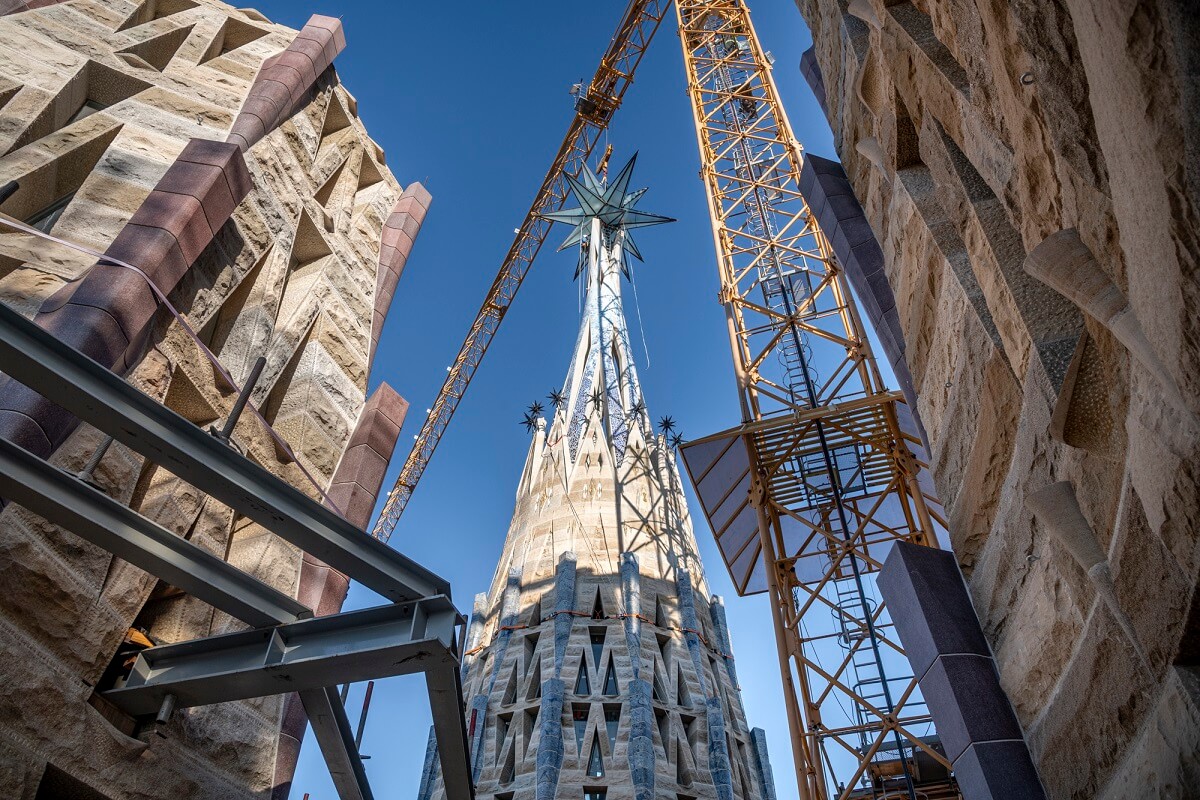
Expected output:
(593, 112)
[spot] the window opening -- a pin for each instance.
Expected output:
(598, 635)
(46, 219)
(582, 686)
(579, 716)
(610, 681)
(595, 767)
(612, 721)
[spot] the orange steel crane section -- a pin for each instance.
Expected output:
(594, 108)
(807, 495)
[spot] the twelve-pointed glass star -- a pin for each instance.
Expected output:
(613, 204)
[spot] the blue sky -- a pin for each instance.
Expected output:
(471, 99)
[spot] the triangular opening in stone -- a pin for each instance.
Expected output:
(531, 643)
(305, 265)
(531, 720)
(598, 606)
(510, 691)
(534, 690)
(369, 173)
(510, 765)
(158, 51)
(597, 638)
(232, 35)
(579, 719)
(272, 408)
(595, 767)
(660, 613)
(583, 687)
(664, 642)
(683, 772)
(535, 614)
(324, 194)
(155, 9)
(691, 729)
(664, 732)
(660, 693)
(503, 723)
(682, 696)
(610, 681)
(612, 723)
(336, 118)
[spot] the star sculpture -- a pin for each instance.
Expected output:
(613, 204)
(556, 398)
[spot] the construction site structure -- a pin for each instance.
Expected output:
(807, 496)
(598, 665)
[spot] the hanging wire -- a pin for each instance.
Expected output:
(638, 308)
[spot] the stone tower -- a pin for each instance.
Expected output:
(598, 666)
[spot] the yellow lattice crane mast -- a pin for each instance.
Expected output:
(808, 493)
(805, 496)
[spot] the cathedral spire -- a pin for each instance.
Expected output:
(601, 383)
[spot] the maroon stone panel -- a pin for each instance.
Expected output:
(355, 487)
(17, 6)
(396, 241)
(285, 80)
(107, 313)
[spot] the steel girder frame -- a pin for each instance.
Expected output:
(788, 312)
(96, 395)
(308, 656)
(108, 402)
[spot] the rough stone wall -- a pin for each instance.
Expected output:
(973, 132)
(97, 98)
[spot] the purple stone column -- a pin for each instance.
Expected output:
(354, 489)
(284, 80)
(945, 645)
(107, 314)
(396, 242)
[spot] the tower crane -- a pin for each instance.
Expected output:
(824, 472)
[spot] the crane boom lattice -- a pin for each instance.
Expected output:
(822, 475)
(595, 104)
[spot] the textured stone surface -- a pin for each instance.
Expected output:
(1001, 126)
(270, 252)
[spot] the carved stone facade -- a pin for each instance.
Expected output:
(219, 153)
(1032, 172)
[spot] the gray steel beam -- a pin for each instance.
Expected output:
(65, 500)
(308, 654)
(331, 728)
(444, 685)
(103, 399)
